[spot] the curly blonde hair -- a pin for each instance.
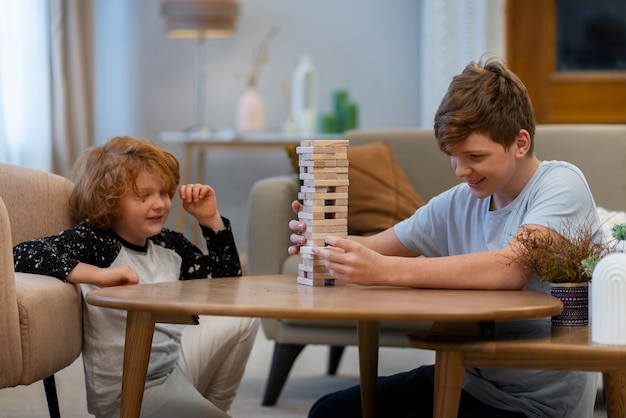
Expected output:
(105, 173)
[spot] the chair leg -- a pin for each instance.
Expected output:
(334, 357)
(282, 360)
(51, 396)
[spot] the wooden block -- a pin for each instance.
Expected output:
(325, 182)
(324, 189)
(317, 163)
(306, 250)
(325, 175)
(322, 195)
(319, 282)
(312, 236)
(313, 261)
(310, 282)
(317, 275)
(322, 154)
(325, 143)
(316, 223)
(313, 269)
(324, 209)
(322, 150)
(302, 216)
(324, 202)
(316, 170)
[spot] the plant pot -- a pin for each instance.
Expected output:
(575, 298)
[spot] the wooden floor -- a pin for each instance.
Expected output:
(306, 384)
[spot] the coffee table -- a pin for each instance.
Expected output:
(279, 296)
(523, 345)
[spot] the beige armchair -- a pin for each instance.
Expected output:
(41, 325)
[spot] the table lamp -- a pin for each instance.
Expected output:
(200, 19)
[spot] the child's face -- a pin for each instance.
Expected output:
(485, 166)
(143, 214)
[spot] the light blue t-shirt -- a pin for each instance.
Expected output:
(455, 222)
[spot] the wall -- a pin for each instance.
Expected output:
(396, 68)
(144, 81)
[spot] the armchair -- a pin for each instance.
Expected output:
(41, 324)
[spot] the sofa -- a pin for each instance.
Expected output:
(598, 150)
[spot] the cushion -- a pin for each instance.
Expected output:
(379, 193)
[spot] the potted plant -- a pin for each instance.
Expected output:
(566, 262)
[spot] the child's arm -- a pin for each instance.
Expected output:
(107, 276)
(79, 255)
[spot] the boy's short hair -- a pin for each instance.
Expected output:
(485, 98)
(105, 173)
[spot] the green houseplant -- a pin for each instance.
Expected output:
(567, 262)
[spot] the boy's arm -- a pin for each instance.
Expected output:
(355, 263)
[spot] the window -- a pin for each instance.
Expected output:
(24, 83)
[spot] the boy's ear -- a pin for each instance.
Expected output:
(522, 142)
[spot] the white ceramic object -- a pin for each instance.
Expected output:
(608, 300)
(250, 112)
(304, 96)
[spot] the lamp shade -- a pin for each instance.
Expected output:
(199, 18)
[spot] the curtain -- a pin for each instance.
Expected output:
(453, 33)
(71, 73)
(46, 73)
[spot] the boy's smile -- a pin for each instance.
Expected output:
(489, 169)
(142, 215)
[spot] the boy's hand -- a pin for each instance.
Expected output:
(298, 228)
(354, 263)
(200, 201)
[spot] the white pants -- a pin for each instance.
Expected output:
(205, 380)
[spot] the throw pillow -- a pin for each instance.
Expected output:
(379, 194)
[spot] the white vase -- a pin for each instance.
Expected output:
(608, 300)
(250, 112)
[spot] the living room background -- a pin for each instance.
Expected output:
(377, 50)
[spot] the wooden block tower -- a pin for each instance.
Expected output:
(324, 196)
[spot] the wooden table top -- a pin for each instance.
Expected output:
(279, 296)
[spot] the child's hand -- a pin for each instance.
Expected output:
(108, 276)
(200, 201)
(117, 275)
(298, 228)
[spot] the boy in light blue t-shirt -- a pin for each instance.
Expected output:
(485, 123)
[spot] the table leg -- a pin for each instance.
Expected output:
(195, 229)
(139, 333)
(368, 365)
(449, 371)
(185, 179)
(614, 387)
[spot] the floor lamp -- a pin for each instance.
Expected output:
(199, 20)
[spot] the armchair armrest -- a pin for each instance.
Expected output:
(268, 223)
